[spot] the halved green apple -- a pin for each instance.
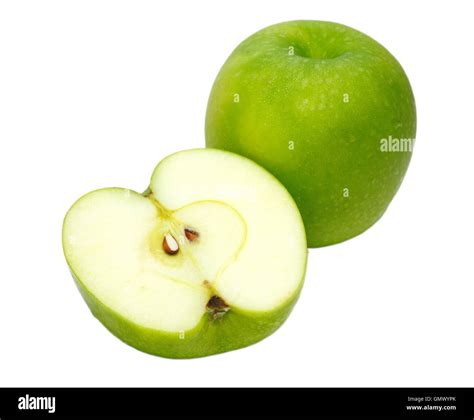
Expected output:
(209, 259)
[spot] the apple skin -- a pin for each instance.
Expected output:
(237, 329)
(335, 98)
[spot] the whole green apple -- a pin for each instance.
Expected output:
(209, 259)
(328, 111)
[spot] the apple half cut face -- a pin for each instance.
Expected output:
(209, 259)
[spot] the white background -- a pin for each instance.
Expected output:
(95, 93)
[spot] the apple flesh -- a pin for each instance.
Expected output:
(209, 259)
(313, 102)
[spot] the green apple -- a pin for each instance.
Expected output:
(209, 259)
(328, 111)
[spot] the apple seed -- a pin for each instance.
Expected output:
(170, 244)
(191, 234)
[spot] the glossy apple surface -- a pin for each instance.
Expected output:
(327, 110)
